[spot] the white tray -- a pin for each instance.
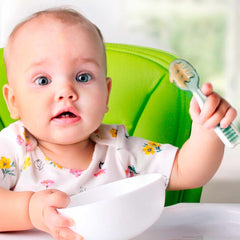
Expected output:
(185, 221)
(196, 222)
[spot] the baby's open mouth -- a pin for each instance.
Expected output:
(66, 115)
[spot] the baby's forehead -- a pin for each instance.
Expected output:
(24, 30)
(56, 18)
(48, 18)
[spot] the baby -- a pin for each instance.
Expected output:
(59, 89)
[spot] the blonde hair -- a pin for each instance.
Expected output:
(65, 15)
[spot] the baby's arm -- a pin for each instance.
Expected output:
(201, 155)
(14, 210)
(26, 210)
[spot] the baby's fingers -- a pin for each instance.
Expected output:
(216, 110)
(58, 199)
(201, 115)
(207, 89)
(215, 114)
(65, 234)
(230, 115)
(210, 115)
(53, 218)
(213, 105)
(58, 225)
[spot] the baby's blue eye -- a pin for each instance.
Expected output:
(85, 77)
(42, 81)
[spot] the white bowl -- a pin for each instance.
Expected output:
(119, 210)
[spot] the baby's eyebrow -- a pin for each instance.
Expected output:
(87, 60)
(80, 60)
(36, 64)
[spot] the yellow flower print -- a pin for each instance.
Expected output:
(27, 163)
(53, 163)
(113, 132)
(147, 149)
(26, 137)
(57, 165)
(7, 167)
(97, 134)
(153, 144)
(151, 147)
(5, 163)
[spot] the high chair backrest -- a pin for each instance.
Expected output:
(143, 99)
(5, 119)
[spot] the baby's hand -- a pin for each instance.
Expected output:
(215, 110)
(44, 216)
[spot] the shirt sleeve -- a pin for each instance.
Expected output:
(143, 156)
(9, 150)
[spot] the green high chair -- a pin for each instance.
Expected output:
(143, 99)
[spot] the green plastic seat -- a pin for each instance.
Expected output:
(143, 99)
(4, 114)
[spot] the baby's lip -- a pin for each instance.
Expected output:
(68, 112)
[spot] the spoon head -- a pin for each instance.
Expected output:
(182, 73)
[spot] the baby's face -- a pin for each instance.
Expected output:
(57, 80)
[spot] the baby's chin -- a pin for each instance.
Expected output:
(69, 140)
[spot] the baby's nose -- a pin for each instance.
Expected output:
(70, 96)
(66, 94)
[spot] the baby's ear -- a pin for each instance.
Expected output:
(9, 97)
(109, 86)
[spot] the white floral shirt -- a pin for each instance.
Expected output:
(23, 166)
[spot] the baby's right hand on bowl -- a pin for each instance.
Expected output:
(44, 215)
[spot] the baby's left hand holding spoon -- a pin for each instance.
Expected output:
(216, 110)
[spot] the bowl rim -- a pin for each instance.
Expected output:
(157, 177)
